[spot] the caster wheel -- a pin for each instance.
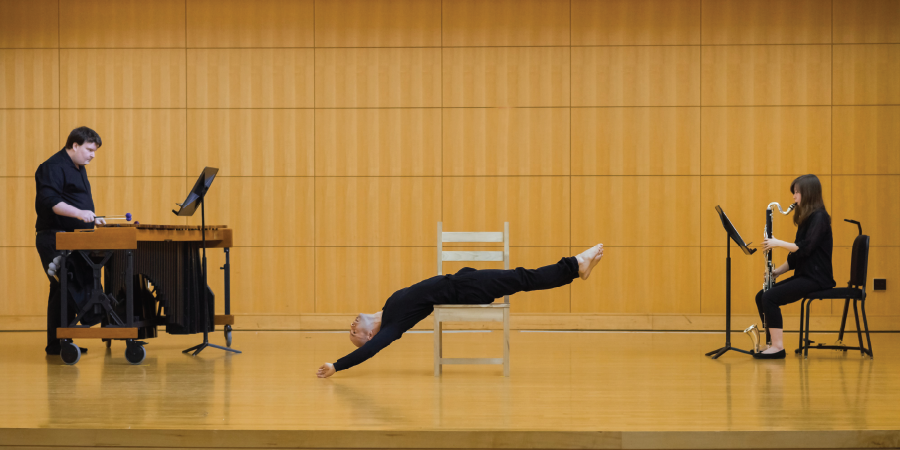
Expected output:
(108, 343)
(228, 336)
(135, 353)
(70, 353)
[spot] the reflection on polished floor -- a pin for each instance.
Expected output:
(566, 390)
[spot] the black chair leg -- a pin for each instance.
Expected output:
(862, 304)
(844, 320)
(806, 341)
(802, 316)
(858, 328)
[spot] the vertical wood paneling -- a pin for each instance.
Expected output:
(250, 78)
(260, 23)
(29, 78)
(37, 135)
(870, 200)
(136, 142)
(378, 142)
(506, 76)
(766, 140)
(866, 140)
(120, 195)
(264, 211)
(867, 74)
(884, 262)
(636, 141)
(506, 141)
(619, 283)
(766, 75)
(251, 142)
(32, 24)
(378, 211)
(866, 21)
(505, 23)
(537, 208)
(656, 211)
(766, 22)
(636, 22)
(636, 76)
(25, 286)
(122, 23)
(122, 78)
(378, 23)
(17, 211)
(378, 78)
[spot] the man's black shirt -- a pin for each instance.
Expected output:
(57, 180)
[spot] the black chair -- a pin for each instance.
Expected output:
(855, 290)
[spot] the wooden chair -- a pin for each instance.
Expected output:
(495, 312)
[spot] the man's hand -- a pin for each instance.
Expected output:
(85, 216)
(326, 370)
(99, 221)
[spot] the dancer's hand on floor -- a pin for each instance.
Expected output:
(326, 370)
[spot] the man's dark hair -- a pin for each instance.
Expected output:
(81, 135)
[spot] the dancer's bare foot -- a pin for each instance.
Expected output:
(588, 259)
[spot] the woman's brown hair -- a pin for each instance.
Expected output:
(810, 197)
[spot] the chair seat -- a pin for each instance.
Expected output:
(836, 293)
(489, 305)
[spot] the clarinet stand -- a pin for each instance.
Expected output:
(732, 235)
(198, 196)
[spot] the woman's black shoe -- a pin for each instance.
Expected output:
(777, 355)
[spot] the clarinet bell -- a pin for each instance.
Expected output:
(753, 333)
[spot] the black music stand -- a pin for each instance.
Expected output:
(733, 235)
(197, 196)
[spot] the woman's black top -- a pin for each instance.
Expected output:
(813, 258)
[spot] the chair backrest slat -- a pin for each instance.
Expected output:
(859, 261)
(472, 237)
(472, 256)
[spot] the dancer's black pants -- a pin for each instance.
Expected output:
(784, 292)
(483, 286)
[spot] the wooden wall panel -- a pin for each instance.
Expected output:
(264, 211)
(660, 211)
(250, 78)
(747, 273)
(378, 78)
(537, 208)
(506, 141)
(121, 23)
(766, 75)
(505, 23)
(150, 200)
(260, 23)
(884, 262)
(136, 142)
(17, 211)
(744, 200)
(29, 78)
(122, 78)
(24, 287)
(33, 24)
(378, 211)
(265, 280)
(636, 22)
(867, 74)
(251, 142)
(377, 272)
(636, 76)
(866, 140)
(506, 76)
(378, 23)
(547, 301)
(766, 140)
(636, 141)
(378, 142)
(766, 22)
(866, 21)
(871, 200)
(619, 283)
(36, 134)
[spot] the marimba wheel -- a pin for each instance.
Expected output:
(135, 353)
(70, 353)
(228, 336)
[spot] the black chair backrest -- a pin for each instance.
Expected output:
(859, 261)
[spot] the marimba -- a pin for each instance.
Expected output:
(157, 265)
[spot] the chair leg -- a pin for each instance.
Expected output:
(858, 328)
(862, 305)
(806, 340)
(844, 320)
(438, 350)
(802, 316)
(506, 342)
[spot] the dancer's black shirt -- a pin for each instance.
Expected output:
(813, 258)
(57, 180)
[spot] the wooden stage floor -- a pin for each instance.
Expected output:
(567, 390)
